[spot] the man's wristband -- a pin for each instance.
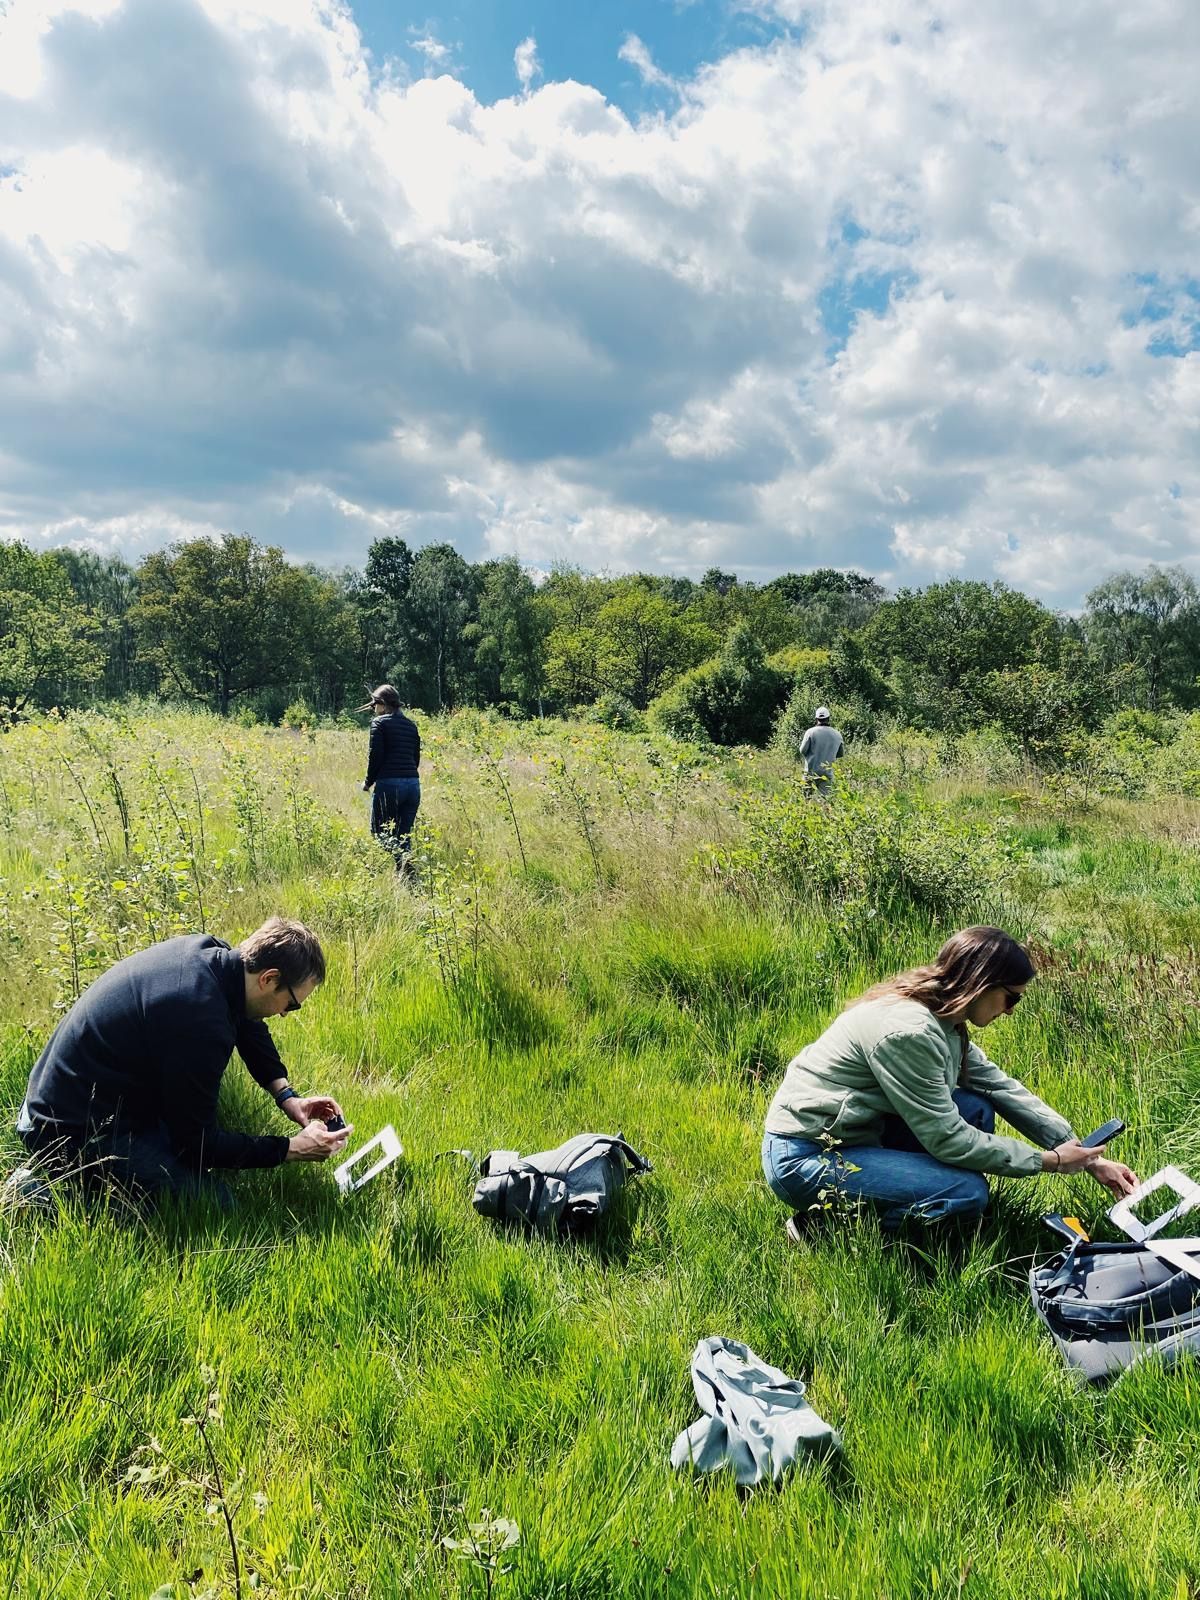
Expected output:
(286, 1093)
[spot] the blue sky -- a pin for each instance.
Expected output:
(575, 40)
(769, 286)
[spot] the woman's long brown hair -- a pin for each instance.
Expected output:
(971, 962)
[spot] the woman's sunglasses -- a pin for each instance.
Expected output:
(1013, 997)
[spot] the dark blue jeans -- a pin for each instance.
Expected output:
(897, 1178)
(141, 1161)
(394, 807)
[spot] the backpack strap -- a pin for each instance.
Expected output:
(496, 1162)
(508, 1182)
(557, 1162)
(637, 1162)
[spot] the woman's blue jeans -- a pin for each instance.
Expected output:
(394, 807)
(896, 1178)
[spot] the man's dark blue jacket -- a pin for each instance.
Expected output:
(148, 1043)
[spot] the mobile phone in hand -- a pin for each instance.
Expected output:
(335, 1124)
(1105, 1132)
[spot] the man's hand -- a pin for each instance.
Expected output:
(366, 787)
(316, 1143)
(303, 1108)
(1114, 1176)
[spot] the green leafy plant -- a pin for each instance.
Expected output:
(561, 784)
(868, 854)
(265, 1572)
(485, 1545)
(298, 715)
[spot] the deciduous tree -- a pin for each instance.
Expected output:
(642, 644)
(936, 645)
(224, 618)
(441, 601)
(49, 644)
(510, 647)
(1149, 621)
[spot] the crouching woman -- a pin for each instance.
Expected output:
(893, 1105)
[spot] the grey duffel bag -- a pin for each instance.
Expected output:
(557, 1191)
(1110, 1306)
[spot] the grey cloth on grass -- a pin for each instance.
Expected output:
(756, 1420)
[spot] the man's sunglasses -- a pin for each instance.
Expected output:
(294, 1004)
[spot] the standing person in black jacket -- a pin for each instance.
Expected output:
(393, 767)
(126, 1089)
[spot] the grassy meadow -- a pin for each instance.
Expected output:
(608, 931)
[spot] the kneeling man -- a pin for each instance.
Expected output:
(126, 1089)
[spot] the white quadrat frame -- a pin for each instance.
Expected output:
(386, 1140)
(1182, 1254)
(1187, 1196)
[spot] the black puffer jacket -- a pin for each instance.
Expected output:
(395, 750)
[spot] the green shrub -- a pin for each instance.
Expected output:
(855, 719)
(796, 659)
(733, 699)
(616, 712)
(298, 714)
(1131, 729)
(908, 753)
(869, 854)
(841, 679)
(1173, 768)
(989, 755)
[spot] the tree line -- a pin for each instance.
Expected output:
(233, 624)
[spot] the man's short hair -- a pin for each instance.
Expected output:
(288, 945)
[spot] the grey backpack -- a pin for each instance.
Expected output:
(557, 1191)
(1110, 1306)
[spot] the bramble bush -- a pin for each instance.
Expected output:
(869, 854)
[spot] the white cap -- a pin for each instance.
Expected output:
(822, 713)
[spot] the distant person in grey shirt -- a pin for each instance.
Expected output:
(820, 747)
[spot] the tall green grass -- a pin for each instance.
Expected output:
(390, 1365)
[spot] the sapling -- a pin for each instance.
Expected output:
(485, 1545)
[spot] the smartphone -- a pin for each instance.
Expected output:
(1105, 1132)
(335, 1124)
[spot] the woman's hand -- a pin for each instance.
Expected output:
(1114, 1176)
(1069, 1156)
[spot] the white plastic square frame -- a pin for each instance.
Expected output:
(1182, 1254)
(348, 1181)
(1121, 1215)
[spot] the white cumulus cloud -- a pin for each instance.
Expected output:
(904, 288)
(525, 60)
(637, 53)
